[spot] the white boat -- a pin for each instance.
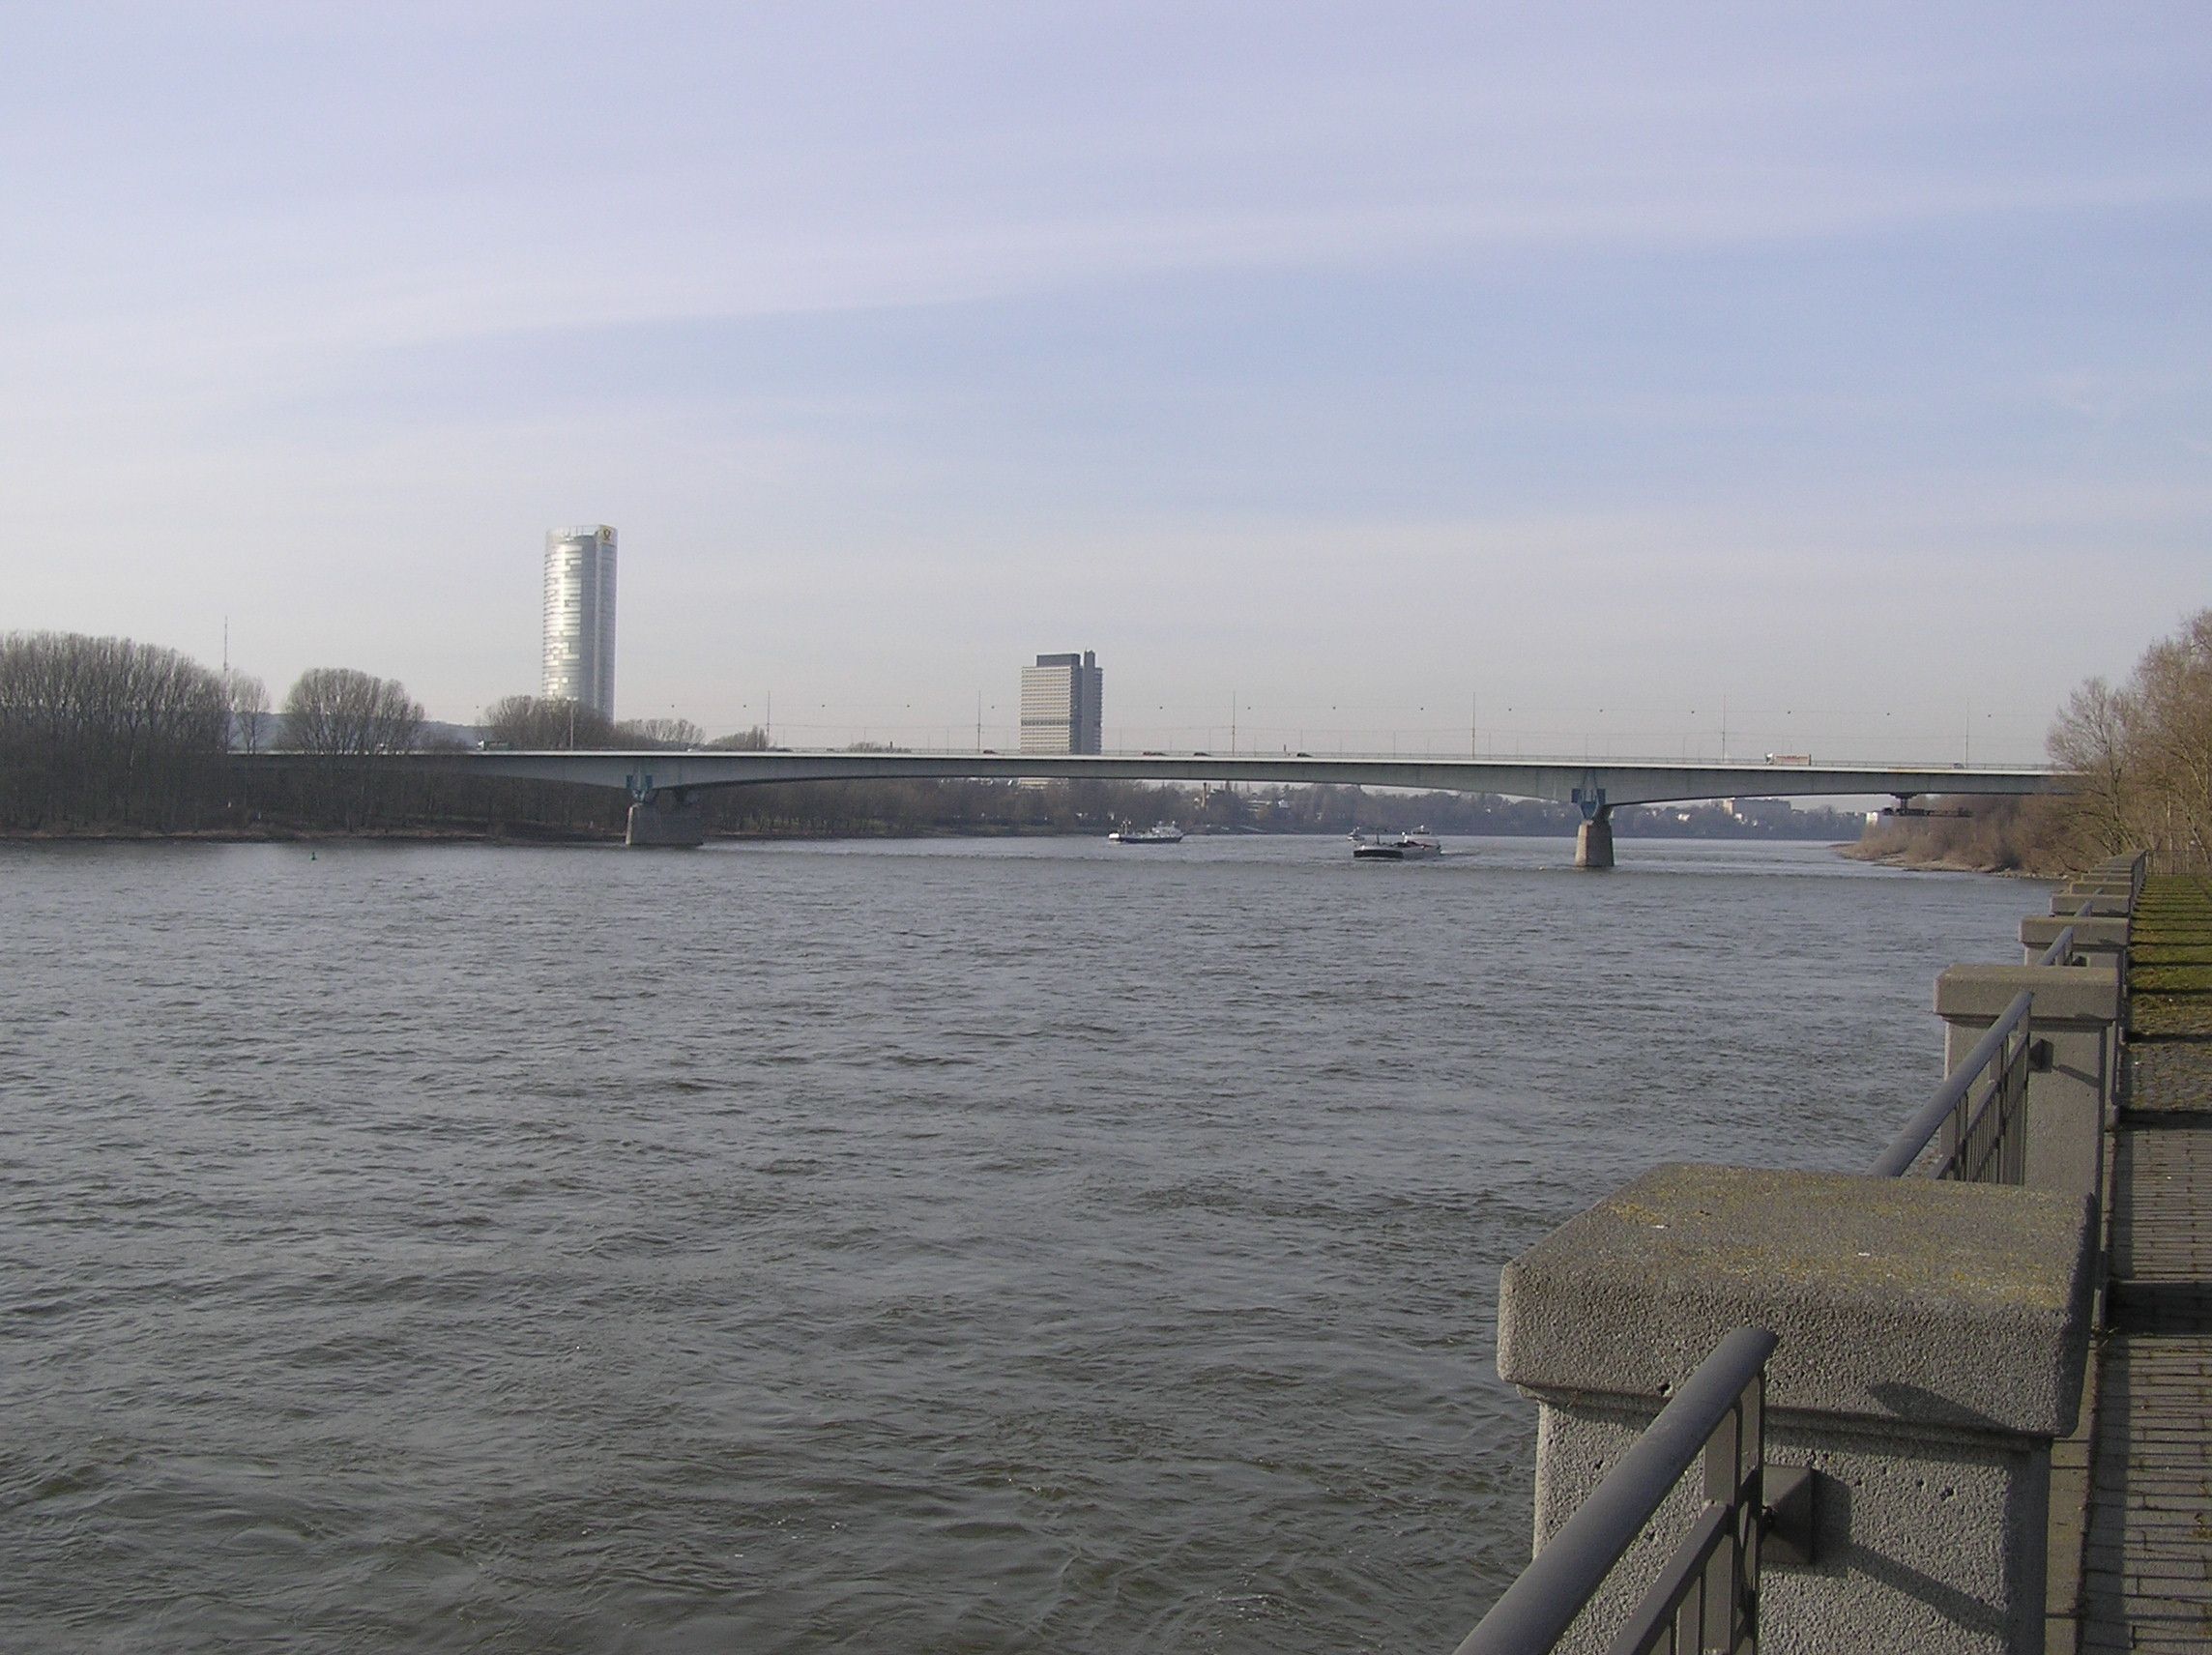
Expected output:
(1393, 848)
(1159, 833)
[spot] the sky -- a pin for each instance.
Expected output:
(1550, 378)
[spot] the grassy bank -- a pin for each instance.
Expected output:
(2169, 954)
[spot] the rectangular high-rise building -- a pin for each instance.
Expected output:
(1060, 705)
(580, 617)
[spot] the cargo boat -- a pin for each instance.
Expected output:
(1394, 848)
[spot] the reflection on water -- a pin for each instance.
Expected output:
(934, 1245)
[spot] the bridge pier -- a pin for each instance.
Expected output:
(679, 824)
(1594, 842)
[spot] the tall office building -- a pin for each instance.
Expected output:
(580, 617)
(1060, 705)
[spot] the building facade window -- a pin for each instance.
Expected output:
(1061, 705)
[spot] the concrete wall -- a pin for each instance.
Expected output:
(1933, 1337)
(2077, 1011)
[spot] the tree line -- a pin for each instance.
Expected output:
(98, 735)
(2141, 755)
(104, 733)
(100, 731)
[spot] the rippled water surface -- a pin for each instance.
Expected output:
(936, 1246)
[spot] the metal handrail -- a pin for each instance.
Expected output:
(1718, 1412)
(2061, 948)
(1948, 1105)
(1692, 1594)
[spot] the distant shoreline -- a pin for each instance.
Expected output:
(1912, 862)
(528, 835)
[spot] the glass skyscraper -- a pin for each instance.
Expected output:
(580, 617)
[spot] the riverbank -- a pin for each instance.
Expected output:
(518, 833)
(1913, 862)
(2024, 837)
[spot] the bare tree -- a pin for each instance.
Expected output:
(342, 717)
(2143, 753)
(338, 712)
(250, 719)
(97, 731)
(550, 722)
(542, 724)
(672, 734)
(2173, 690)
(2091, 738)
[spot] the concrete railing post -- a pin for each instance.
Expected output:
(2106, 904)
(2100, 941)
(2077, 1010)
(1933, 1337)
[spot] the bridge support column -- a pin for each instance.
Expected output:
(1934, 1340)
(1594, 842)
(675, 825)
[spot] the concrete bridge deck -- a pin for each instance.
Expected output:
(2148, 1565)
(664, 785)
(1593, 783)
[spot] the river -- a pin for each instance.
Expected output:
(920, 1246)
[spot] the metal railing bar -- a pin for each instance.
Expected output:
(1543, 1603)
(1681, 1583)
(1986, 1134)
(1904, 1150)
(2061, 947)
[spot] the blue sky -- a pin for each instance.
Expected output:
(1397, 374)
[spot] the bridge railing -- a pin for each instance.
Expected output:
(1706, 1597)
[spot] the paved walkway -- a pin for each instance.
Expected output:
(2147, 1570)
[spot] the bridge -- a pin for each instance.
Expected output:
(663, 786)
